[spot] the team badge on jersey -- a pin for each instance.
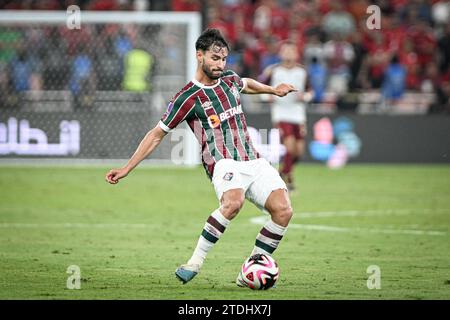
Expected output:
(207, 105)
(235, 92)
(228, 176)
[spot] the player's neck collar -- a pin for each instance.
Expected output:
(201, 85)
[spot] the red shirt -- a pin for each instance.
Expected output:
(424, 43)
(185, 5)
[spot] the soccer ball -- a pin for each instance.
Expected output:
(259, 272)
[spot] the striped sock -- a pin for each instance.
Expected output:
(213, 229)
(269, 238)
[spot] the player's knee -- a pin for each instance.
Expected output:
(283, 214)
(291, 149)
(231, 207)
(289, 143)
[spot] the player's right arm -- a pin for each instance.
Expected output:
(151, 140)
(255, 87)
(177, 111)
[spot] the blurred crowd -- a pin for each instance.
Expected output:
(67, 61)
(409, 52)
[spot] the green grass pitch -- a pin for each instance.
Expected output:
(128, 239)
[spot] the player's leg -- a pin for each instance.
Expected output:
(299, 149)
(288, 139)
(269, 192)
(300, 142)
(232, 202)
(278, 205)
(298, 134)
(216, 224)
(230, 190)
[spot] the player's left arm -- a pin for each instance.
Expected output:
(255, 87)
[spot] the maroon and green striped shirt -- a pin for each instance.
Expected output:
(214, 113)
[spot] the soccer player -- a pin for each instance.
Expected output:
(289, 113)
(211, 105)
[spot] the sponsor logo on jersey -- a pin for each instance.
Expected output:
(215, 120)
(230, 113)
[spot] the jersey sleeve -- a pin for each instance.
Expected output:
(177, 111)
(235, 78)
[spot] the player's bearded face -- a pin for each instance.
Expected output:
(213, 62)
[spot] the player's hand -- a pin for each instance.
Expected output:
(114, 175)
(283, 89)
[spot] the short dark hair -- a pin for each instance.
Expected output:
(211, 37)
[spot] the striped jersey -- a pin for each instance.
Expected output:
(214, 114)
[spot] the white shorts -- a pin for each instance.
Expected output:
(256, 177)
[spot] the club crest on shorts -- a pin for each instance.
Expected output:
(228, 176)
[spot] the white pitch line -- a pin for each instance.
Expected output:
(354, 213)
(263, 219)
(366, 230)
